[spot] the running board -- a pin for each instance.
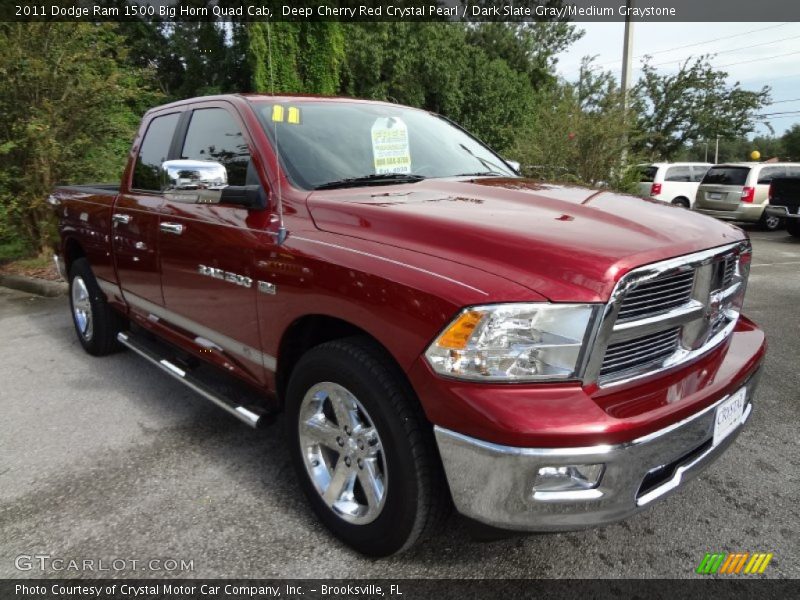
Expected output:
(251, 415)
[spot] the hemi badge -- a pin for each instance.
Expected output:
(266, 287)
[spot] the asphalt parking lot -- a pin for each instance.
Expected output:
(109, 458)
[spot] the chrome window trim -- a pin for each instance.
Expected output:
(609, 329)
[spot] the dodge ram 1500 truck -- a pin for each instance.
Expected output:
(436, 329)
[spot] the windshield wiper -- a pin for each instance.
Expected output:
(480, 173)
(374, 179)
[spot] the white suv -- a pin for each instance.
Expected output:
(675, 183)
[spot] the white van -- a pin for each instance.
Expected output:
(675, 183)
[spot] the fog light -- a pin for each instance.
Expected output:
(568, 478)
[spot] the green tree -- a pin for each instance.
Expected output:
(696, 103)
(579, 133)
(68, 112)
(306, 57)
(791, 143)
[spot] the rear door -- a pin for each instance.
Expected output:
(722, 187)
(136, 214)
(208, 250)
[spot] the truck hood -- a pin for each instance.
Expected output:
(566, 243)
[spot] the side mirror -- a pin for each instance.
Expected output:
(206, 182)
(515, 166)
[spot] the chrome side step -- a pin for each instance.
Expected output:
(251, 415)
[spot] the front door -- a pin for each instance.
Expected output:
(207, 250)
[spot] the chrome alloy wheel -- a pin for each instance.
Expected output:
(82, 308)
(343, 453)
(772, 222)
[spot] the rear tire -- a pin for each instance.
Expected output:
(769, 222)
(793, 227)
(96, 323)
(684, 202)
(354, 425)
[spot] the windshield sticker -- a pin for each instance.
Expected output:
(291, 114)
(390, 148)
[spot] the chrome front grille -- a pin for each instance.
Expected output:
(668, 313)
(657, 296)
(640, 352)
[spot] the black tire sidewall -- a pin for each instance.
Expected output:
(793, 227)
(105, 322)
(391, 530)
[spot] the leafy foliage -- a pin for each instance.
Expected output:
(693, 104)
(68, 114)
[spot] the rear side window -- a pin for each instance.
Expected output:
(768, 173)
(793, 172)
(727, 175)
(153, 152)
(214, 135)
(647, 174)
(698, 173)
(678, 174)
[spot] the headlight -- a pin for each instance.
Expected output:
(513, 342)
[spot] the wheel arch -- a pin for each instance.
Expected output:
(73, 250)
(310, 330)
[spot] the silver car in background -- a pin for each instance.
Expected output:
(739, 191)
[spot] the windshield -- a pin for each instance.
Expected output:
(322, 143)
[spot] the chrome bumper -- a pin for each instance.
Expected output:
(60, 267)
(493, 484)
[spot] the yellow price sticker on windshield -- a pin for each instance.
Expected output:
(277, 113)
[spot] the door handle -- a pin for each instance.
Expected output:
(173, 228)
(120, 218)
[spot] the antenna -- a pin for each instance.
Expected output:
(281, 227)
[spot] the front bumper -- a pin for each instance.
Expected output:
(493, 484)
(748, 213)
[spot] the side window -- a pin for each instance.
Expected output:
(793, 172)
(214, 135)
(767, 173)
(153, 151)
(678, 174)
(699, 172)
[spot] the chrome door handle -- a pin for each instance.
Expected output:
(120, 218)
(173, 228)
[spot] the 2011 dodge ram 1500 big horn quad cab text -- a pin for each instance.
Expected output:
(436, 329)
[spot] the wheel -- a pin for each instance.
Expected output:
(793, 227)
(363, 452)
(96, 323)
(770, 222)
(681, 201)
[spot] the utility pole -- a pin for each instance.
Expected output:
(627, 71)
(716, 152)
(627, 55)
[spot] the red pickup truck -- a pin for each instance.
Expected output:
(436, 329)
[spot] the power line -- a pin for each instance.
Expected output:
(698, 43)
(744, 62)
(784, 101)
(715, 54)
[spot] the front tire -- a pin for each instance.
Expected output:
(793, 227)
(96, 323)
(363, 452)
